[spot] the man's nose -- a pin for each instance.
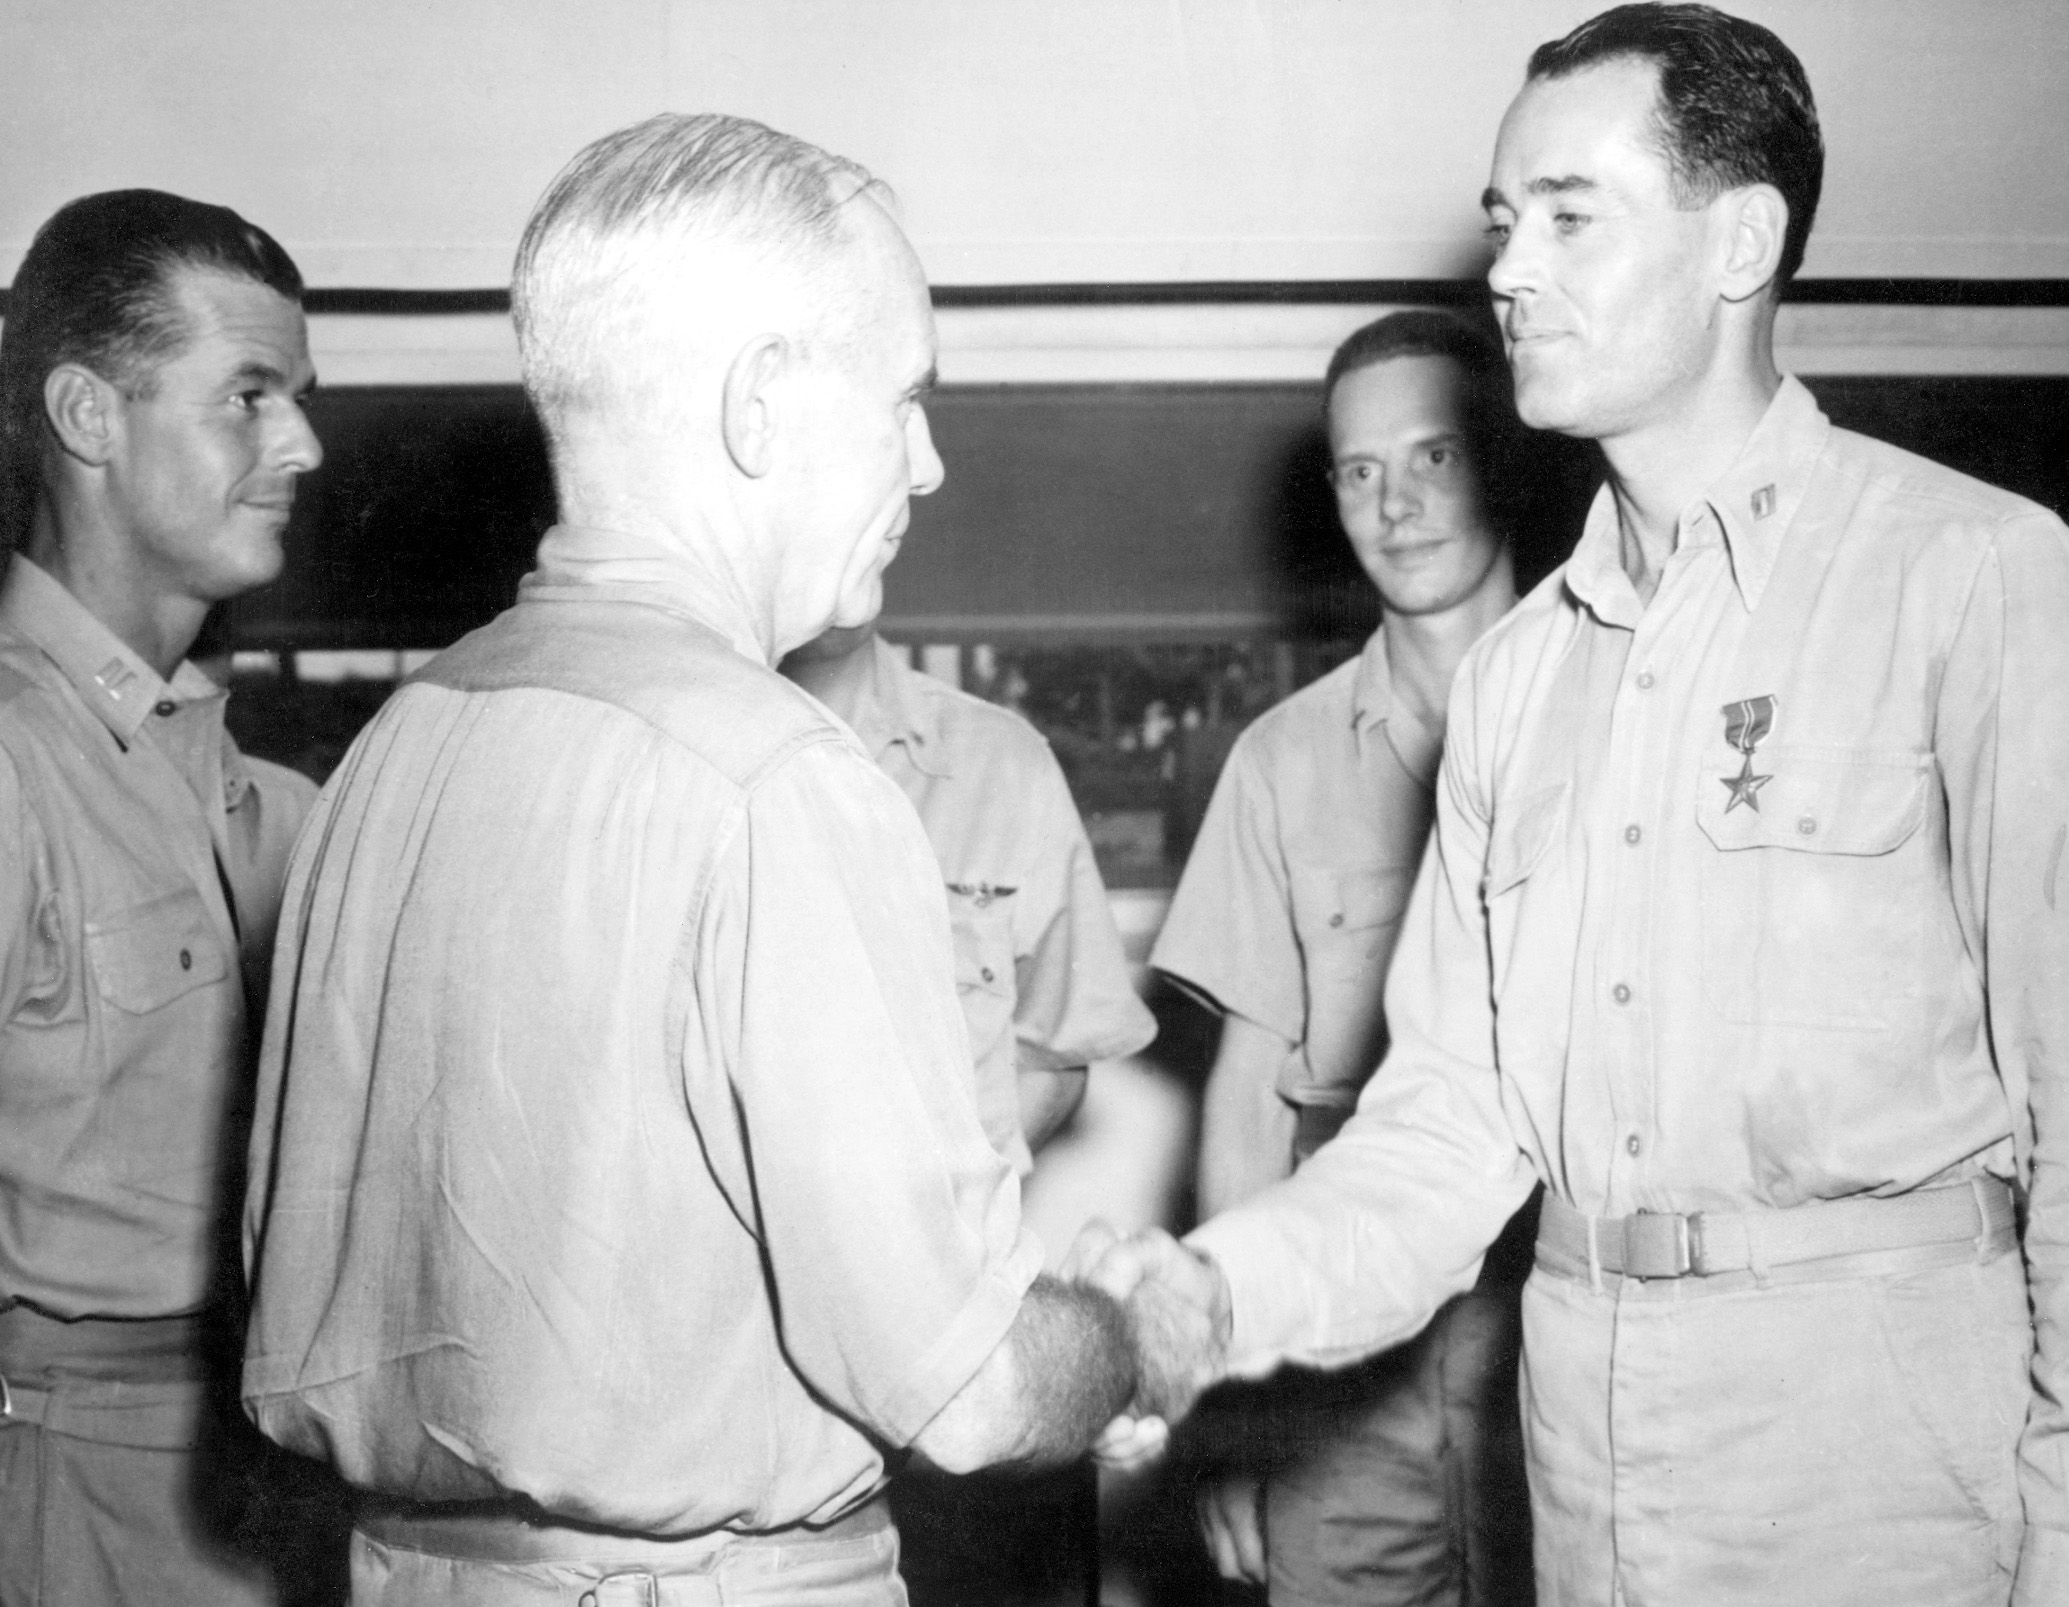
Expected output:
(1513, 268)
(298, 450)
(1398, 497)
(926, 465)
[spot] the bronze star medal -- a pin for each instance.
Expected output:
(1745, 723)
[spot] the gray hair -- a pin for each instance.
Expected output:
(665, 185)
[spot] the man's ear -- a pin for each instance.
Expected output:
(748, 418)
(84, 412)
(1758, 220)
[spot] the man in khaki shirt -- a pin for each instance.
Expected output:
(1045, 992)
(152, 371)
(619, 1199)
(1401, 1481)
(1741, 929)
(1039, 969)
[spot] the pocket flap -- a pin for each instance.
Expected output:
(983, 933)
(1815, 803)
(1521, 834)
(148, 955)
(1350, 898)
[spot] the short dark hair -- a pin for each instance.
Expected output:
(1491, 424)
(96, 288)
(1423, 333)
(1735, 106)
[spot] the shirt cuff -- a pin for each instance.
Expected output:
(976, 1330)
(1266, 1301)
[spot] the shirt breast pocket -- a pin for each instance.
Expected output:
(145, 957)
(1344, 914)
(1347, 918)
(1813, 912)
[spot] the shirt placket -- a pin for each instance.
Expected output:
(1628, 822)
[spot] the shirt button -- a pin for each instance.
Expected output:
(1336, 919)
(1645, 680)
(1632, 834)
(1631, 1145)
(165, 706)
(1807, 826)
(186, 959)
(1621, 993)
(987, 974)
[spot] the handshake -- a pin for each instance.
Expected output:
(1176, 1303)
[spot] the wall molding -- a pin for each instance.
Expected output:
(391, 302)
(1235, 332)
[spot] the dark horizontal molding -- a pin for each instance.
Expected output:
(389, 303)
(405, 303)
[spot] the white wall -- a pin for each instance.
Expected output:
(401, 143)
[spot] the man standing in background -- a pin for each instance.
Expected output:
(152, 372)
(1400, 1481)
(1045, 992)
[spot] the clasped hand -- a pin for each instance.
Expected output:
(1177, 1303)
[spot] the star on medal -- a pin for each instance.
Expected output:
(1744, 787)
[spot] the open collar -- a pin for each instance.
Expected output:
(897, 711)
(1752, 503)
(112, 681)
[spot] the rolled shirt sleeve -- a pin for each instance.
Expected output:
(1229, 937)
(891, 1226)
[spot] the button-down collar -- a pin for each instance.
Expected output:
(1753, 503)
(118, 686)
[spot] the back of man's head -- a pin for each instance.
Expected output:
(623, 230)
(1735, 105)
(98, 288)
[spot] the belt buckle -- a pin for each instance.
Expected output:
(1659, 1244)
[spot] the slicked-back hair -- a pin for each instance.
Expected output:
(1734, 107)
(584, 266)
(97, 289)
(1493, 431)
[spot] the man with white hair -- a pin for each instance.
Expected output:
(619, 1193)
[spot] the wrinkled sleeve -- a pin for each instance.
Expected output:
(1358, 1249)
(1229, 936)
(890, 1227)
(1073, 1001)
(2003, 747)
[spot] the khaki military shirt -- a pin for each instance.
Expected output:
(141, 860)
(616, 1143)
(1038, 965)
(1748, 897)
(1293, 893)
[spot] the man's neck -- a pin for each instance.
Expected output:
(1424, 651)
(843, 681)
(156, 626)
(1657, 469)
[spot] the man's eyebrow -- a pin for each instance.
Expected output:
(1564, 184)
